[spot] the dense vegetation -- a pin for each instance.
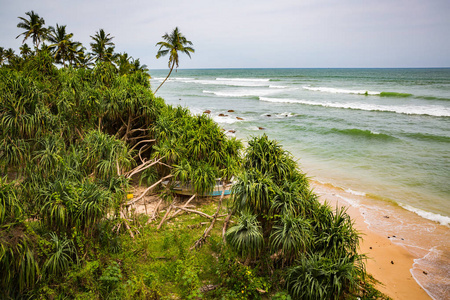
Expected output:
(73, 143)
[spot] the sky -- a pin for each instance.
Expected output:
(256, 33)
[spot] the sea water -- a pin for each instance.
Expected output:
(381, 136)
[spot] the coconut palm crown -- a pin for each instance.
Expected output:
(34, 28)
(102, 47)
(173, 44)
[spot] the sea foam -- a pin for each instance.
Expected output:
(443, 220)
(340, 91)
(242, 93)
(431, 110)
(243, 79)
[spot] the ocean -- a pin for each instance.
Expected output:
(381, 137)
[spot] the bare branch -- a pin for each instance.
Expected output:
(194, 211)
(148, 189)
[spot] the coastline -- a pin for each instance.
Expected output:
(396, 265)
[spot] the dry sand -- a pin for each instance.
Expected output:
(388, 263)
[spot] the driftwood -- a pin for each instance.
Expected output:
(148, 189)
(142, 167)
(208, 287)
(185, 205)
(194, 211)
(202, 239)
(155, 212)
(225, 224)
(167, 214)
(125, 222)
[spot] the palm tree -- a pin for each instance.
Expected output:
(34, 28)
(83, 59)
(25, 50)
(62, 44)
(173, 43)
(102, 47)
(2, 55)
(9, 55)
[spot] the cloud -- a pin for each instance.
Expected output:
(394, 33)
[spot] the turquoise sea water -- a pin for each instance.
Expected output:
(383, 132)
(380, 134)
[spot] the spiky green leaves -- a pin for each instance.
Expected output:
(246, 237)
(317, 277)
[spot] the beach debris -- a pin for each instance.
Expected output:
(370, 248)
(268, 115)
(232, 131)
(179, 99)
(207, 111)
(261, 128)
(208, 287)
(392, 262)
(389, 237)
(425, 273)
(387, 217)
(239, 118)
(393, 236)
(230, 110)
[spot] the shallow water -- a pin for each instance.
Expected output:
(380, 134)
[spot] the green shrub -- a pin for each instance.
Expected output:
(319, 277)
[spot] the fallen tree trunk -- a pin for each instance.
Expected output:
(225, 224)
(166, 215)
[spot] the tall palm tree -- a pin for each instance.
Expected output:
(34, 28)
(62, 45)
(102, 47)
(172, 44)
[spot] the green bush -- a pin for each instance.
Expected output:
(319, 277)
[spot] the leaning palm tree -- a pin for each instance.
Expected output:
(173, 43)
(102, 47)
(34, 28)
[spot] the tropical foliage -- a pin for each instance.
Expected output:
(74, 139)
(283, 226)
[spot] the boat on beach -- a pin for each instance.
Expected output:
(187, 189)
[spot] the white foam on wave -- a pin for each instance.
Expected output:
(351, 202)
(172, 78)
(244, 79)
(443, 220)
(356, 193)
(280, 115)
(340, 91)
(241, 93)
(277, 86)
(431, 110)
(227, 83)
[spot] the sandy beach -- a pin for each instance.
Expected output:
(389, 263)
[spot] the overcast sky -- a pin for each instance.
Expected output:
(256, 33)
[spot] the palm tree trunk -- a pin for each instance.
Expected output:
(171, 69)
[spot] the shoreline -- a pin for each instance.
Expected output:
(399, 270)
